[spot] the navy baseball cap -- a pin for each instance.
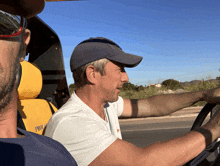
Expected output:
(97, 48)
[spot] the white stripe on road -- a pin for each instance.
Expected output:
(159, 128)
(161, 117)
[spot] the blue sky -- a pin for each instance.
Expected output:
(178, 39)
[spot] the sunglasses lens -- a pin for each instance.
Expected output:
(9, 24)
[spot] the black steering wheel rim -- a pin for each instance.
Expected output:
(202, 115)
(200, 119)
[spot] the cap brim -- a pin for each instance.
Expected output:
(129, 60)
(25, 8)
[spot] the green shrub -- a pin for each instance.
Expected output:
(72, 87)
(128, 94)
(140, 88)
(172, 84)
(128, 86)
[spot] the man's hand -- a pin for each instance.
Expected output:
(213, 126)
(212, 95)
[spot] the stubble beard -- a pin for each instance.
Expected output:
(6, 91)
(114, 97)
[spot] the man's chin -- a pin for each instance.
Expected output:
(113, 99)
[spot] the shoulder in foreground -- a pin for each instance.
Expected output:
(48, 148)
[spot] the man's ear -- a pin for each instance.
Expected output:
(91, 74)
(27, 37)
(26, 40)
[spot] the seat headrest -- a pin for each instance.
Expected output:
(31, 81)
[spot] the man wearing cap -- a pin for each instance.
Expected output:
(19, 147)
(87, 125)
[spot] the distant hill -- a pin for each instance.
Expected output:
(186, 83)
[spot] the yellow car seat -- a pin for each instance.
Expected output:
(33, 113)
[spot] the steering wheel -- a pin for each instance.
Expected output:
(209, 149)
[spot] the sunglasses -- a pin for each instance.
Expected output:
(11, 25)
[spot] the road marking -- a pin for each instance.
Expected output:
(157, 128)
(161, 117)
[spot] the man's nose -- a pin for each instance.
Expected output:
(124, 77)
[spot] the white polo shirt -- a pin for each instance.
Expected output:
(85, 134)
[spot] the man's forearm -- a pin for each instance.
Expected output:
(168, 103)
(177, 151)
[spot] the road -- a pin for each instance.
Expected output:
(147, 131)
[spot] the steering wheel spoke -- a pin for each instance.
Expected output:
(202, 156)
(214, 145)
